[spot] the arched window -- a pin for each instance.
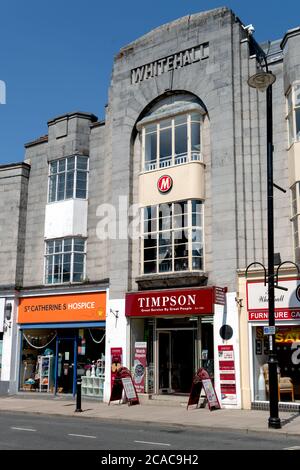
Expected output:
(171, 132)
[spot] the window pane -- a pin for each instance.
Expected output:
(165, 144)
(52, 188)
(78, 258)
(181, 264)
(61, 187)
(58, 246)
(195, 137)
(181, 119)
(49, 265)
(297, 111)
(196, 206)
(79, 244)
(290, 126)
(180, 236)
(297, 95)
(150, 149)
(81, 184)
(70, 184)
(151, 128)
(77, 277)
(165, 123)
(150, 225)
(181, 140)
(70, 163)
(62, 165)
(197, 236)
(165, 223)
(50, 247)
(196, 117)
(82, 163)
(150, 242)
(149, 254)
(197, 220)
(165, 266)
(150, 267)
(150, 212)
(181, 250)
(197, 249)
(165, 238)
(180, 207)
(197, 263)
(180, 221)
(165, 252)
(57, 268)
(67, 244)
(53, 168)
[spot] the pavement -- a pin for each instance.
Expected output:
(155, 412)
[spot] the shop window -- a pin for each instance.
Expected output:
(173, 141)
(65, 260)
(293, 113)
(41, 352)
(287, 343)
(68, 178)
(1, 349)
(173, 237)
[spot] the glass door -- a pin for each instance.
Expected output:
(164, 361)
(66, 365)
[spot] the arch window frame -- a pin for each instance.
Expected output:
(156, 128)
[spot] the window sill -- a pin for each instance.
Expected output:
(178, 279)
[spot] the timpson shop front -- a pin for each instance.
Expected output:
(62, 336)
(287, 340)
(178, 328)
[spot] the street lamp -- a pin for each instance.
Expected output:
(263, 81)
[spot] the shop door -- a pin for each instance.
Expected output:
(66, 365)
(164, 361)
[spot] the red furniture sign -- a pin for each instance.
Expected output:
(287, 303)
(197, 301)
(164, 184)
(227, 374)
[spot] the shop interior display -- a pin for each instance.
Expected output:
(285, 384)
(93, 380)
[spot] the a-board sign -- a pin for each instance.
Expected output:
(202, 379)
(123, 381)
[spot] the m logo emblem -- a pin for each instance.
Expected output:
(164, 184)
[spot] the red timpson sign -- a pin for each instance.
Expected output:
(198, 301)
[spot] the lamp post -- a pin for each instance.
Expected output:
(263, 81)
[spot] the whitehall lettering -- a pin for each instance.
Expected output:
(172, 62)
(166, 301)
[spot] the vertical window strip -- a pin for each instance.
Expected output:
(60, 255)
(62, 181)
(189, 121)
(185, 228)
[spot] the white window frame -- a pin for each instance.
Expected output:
(292, 137)
(188, 228)
(61, 253)
(65, 183)
(172, 162)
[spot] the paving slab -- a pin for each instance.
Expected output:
(243, 420)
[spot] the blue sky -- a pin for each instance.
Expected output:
(56, 56)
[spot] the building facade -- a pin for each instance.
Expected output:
(141, 226)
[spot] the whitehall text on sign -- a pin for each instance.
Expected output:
(172, 62)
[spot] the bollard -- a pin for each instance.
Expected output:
(78, 396)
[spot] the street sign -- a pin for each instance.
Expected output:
(269, 330)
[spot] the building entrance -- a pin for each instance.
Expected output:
(176, 360)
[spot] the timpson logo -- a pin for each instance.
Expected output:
(164, 184)
(167, 301)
